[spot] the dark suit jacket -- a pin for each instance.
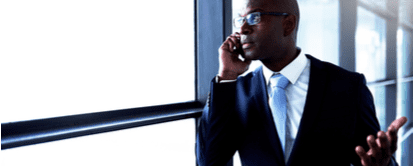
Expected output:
(338, 115)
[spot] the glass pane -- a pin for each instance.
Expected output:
(404, 53)
(319, 29)
(379, 94)
(169, 143)
(405, 11)
(404, 108)
(70, 57)
(370, 45)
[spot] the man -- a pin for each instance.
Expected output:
(323, 115)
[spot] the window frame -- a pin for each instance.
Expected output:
(392, 81)
(213, 22)
(23, 133)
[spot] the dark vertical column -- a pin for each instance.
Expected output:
(227, 18)
(210, 27)
(347, 23)
(227, 30)
(391, 60)
(213, 25)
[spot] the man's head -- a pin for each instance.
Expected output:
(274, 37)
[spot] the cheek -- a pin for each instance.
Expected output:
(269, 34)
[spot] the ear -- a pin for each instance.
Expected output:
(289, 24)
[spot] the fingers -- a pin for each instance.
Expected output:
(392, 132)
(383, 141)
(374, 148)
(392, 137)
(231, 42)
(398, 123)
(227, 45)
(231, 66)
(365, 159)
(235, 41)
(379, 152)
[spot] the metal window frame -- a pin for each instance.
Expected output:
(392, 80)
(209, 34)
(15, 134)
(212, 24)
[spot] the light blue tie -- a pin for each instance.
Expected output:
(278, 105)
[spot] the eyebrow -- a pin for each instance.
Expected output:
(252, 11)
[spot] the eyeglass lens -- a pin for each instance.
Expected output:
(252, 19)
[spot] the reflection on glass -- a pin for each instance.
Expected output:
(169, 143)
(73, 57)
(404, 53)
(380, 104)
(370, 45)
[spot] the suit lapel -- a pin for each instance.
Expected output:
(261, 99)
(313, 103)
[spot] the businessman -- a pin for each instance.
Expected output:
(295, 109)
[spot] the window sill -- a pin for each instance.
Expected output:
(15, 134)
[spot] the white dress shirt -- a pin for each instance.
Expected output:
(298, 73)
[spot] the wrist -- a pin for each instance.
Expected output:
(227, 76)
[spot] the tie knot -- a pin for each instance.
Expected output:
(279, 81)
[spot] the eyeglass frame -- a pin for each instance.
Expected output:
(260, 13)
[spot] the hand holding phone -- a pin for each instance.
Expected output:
(231, 65)
(239, 49)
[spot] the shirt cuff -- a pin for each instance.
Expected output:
(223, 81)
(392, 162)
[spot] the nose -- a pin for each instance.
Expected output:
(245, 28)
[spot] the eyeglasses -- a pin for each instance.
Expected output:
(254, 18)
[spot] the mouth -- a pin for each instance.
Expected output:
(246, 45)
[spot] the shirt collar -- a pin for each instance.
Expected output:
(292, 71)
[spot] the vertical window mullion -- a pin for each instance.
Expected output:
(347, 26)
(391, 62)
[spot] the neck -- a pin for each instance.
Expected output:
(277, 64)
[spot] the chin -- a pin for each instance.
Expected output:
(251, 55)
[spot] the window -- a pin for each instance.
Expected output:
(72, 57)
(387, 69)
(34, 41)
(405, 87)
(379, 93)
(65, 58)
(370, 45)
(371, 56)
(404, 41)
(169, 143)
(318, 29)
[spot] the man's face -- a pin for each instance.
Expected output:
(262, 41)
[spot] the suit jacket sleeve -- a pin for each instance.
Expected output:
(216, 137)
(367, 123)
